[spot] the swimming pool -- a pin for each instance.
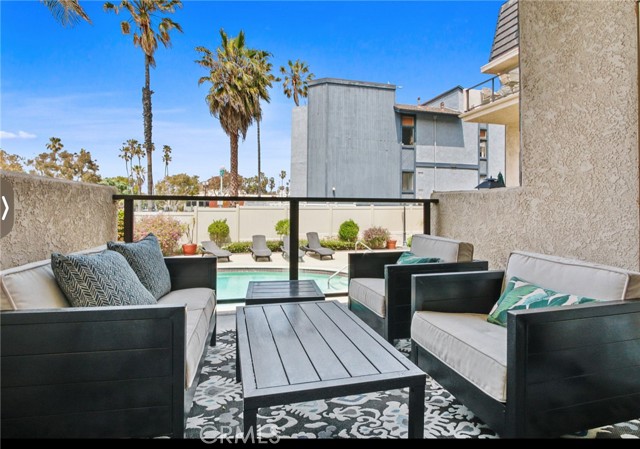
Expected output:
(233, 284)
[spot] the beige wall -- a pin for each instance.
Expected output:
(512, 156)
(580, 146)
(54, 215)
(245, 221)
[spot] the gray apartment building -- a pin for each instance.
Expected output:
(353, 140)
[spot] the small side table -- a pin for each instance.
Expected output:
(270, 292)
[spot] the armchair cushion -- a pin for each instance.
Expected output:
(408, 258)
(103, 279)
(468, 344)
(521, 294)
(574, 276)
(446, 249)
(370, 292)
(145, 257)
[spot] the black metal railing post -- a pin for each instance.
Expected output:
(294, 244)
(128, 220)
(426, 217)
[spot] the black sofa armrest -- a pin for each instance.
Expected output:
(474, 292)
(99, 372)
(573, 367)
(371, 265)
(192, 272)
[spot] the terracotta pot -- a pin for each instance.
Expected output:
(189, 249)
(391, 244)
(213, 204)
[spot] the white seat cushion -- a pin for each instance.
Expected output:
(574, 277)
(370, 292)
(200, 303)
(448, 250)
(468, 344)
(33, 286)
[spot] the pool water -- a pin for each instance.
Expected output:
(233, 284)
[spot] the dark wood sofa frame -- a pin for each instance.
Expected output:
(100, 372)
(569, 368)
(397, 321)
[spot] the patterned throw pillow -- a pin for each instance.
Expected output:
(521, 294)
(408, 257)
(145, 257)
(102, 279)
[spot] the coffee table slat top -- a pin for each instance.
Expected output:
(283, 290)
(314, 345)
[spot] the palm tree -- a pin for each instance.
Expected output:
(236, 76)
(166, 158)
(66, 12)
(143, 15)
(264, 80)
(295, 82)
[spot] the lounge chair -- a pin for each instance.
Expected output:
(259, 248)
(210, 247)
(315, 247)
(286, 249)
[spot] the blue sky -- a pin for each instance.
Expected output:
(83, 84)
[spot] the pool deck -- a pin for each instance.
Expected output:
(245, 261)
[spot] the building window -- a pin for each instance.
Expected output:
(407, 182)
(408, 130)
(483, 149)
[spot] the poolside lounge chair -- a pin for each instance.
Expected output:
(315, 247)
(259, 247)
(210, 247)
(286, 249)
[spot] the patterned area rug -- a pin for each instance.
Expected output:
(217, 410)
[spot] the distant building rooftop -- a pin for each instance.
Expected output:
(506, 37)
(422, 108)
(352, 83)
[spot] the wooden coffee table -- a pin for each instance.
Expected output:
(269, 292)
(296, 352)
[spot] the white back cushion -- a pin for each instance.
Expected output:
(574, 276)
(33, 286)
(446, 249)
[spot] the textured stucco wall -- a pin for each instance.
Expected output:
(299, 151)
(54, 215)
(580, 154)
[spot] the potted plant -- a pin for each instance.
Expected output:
(376, 237)
(218, 231)
(348, 231)
(391, 243)
(282, 228)
(189, 249)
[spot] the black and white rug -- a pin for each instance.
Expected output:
(217, 411)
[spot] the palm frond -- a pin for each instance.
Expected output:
(66, 12)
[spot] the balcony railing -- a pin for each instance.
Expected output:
(493, 89)
(294, 211)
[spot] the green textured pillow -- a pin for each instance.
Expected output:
(521, 294)
(145, 257)
(408, 258)
(102, 279)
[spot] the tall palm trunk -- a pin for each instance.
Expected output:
(233, 139)
(259, 172)
(148, 117)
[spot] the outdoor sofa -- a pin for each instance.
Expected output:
(551, 370)
(98, 372)
(380, 287)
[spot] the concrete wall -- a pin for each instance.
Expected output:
(352, 142)
(325, 219)
(299, 151)
(496, 150)
(580, 143)
(55, 215)
(512, 149)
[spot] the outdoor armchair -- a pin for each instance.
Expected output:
(551, 370)
(380, 288)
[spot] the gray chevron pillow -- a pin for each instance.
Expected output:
(145, 257)
(102, 279)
